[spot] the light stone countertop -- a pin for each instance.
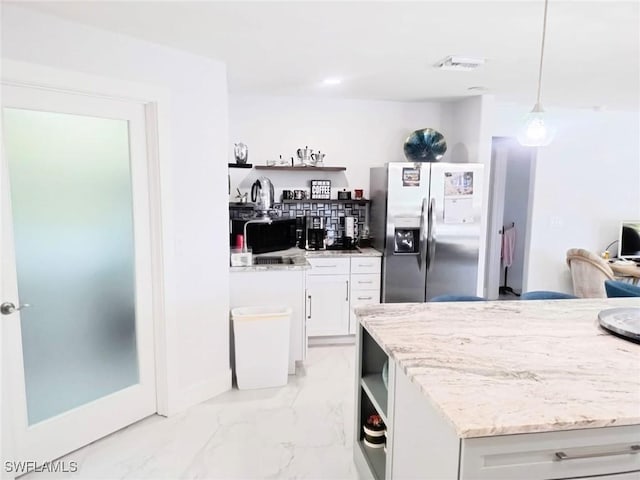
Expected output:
(497, 368)
(300, 257)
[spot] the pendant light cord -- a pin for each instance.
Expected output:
(544, 34)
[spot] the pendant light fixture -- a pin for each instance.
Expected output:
(536, 132)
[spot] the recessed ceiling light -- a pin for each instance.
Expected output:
(332, 81)
(459, 63)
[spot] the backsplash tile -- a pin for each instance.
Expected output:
(333, 212)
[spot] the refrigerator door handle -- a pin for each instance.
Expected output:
(422, 250)
(431, 236)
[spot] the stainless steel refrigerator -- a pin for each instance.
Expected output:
(426, 218)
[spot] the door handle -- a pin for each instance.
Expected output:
(431, 243)
(7, 308)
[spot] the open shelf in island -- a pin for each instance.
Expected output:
(376, 458)
(376, 391)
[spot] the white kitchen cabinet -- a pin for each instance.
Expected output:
(327, 305)
(336, 283)
(365, 285)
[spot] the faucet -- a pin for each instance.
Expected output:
(264, 219)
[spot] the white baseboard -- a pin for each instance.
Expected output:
(202, 391)
(332, 340)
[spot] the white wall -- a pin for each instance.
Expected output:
(198, 285)
(468, 123)
(586, 182)
(356, 134)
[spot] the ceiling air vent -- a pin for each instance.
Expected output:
(463, 64)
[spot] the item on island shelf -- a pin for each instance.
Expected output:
(241, 153)
(374, 442)
(426, 145)
(320, 189)
(385, 374)
(358, 193)
(375, 432)
(344, 195)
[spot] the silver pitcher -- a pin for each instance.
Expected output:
(241, 153)
(317, 158)
(304, 155)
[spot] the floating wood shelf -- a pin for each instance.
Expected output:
(241, 165)
(301, 169)
(360, 201)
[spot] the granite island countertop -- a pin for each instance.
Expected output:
(300, 256)
(498, 368)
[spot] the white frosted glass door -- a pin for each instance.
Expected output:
(74, 253)
(79, 229)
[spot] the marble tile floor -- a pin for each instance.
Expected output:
(302, 430)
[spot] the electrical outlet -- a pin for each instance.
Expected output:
(556, 222)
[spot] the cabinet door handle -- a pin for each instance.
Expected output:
(365, 281)
(347, 298)
(326, 266)
(365, 298)
(365, 265)
(631, 450)
(309, 314)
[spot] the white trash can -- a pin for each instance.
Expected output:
(261, 342)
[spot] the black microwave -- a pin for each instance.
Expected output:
(280, 234)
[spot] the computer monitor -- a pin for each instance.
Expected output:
(629, 240)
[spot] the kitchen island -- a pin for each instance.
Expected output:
(489, 390)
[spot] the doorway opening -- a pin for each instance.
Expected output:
(512, 179)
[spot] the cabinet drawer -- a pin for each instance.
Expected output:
(563, 454)
(365, 282)
(360, 298)
(328, 266)
(365, 265)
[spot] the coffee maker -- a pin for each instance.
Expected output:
(315, 233)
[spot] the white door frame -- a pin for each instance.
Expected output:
(499, 151)
(156, 104)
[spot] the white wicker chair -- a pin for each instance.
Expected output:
(588, 272)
